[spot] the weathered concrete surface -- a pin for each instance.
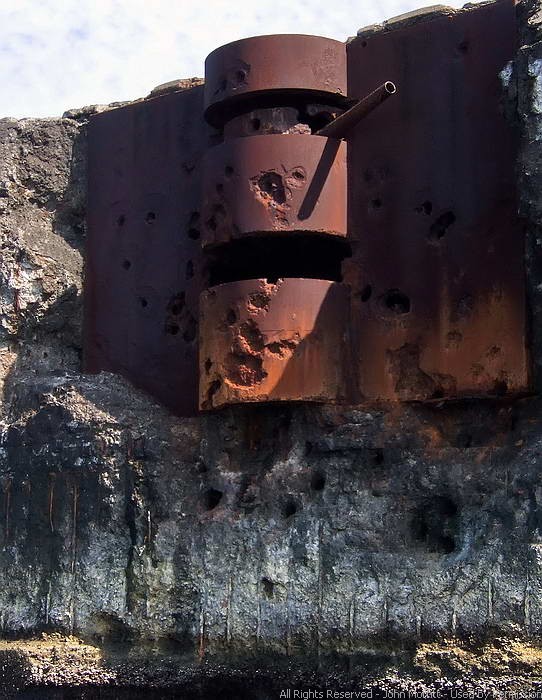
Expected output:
(255, 548)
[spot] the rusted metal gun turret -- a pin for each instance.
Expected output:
(265, 237)
(274, 330)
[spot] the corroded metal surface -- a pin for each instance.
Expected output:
(262, 66)
(438, 273)
(143, 268)
(274, 183)
(273, 342)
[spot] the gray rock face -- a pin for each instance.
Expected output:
(314, 544)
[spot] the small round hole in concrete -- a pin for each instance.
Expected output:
(318, 481)
(267, 587)
(150, 217)
(376, 203)
(121, 220)
(378, 456)
(212, 498)
(144, 303)
(290, 508)
(126, 264)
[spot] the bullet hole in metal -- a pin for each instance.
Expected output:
(272, 185)
(189, 270)
(212, 498)
(241, 76)
(440, 227)
(231, 317)
(453, 339)
(255, 123)
(45, 355)
(211, 224)
(121, 220)
(305, 255)
(126, 264)
(500, 388)
(191, 330)
(376, 203)
(396, 302)
(172, 328)
(318, 481)
(144, 303)
(228, 171)
(290, 508)
(463, 47)
(268, 587)
(425, 208)
(193, 231)
(366, 293)
(364, 44)
(298, 175)
(150, 217)
(208, 364)
(214, 387)
(176, 304)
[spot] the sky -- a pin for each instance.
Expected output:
(61, 54)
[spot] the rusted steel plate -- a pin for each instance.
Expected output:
(273, 342)
(438, 273)
(274, 183)
(263, 65)
(143, 268)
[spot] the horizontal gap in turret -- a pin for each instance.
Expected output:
(302, 100)
(278, 256)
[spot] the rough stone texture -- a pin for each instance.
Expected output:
(255, 548)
